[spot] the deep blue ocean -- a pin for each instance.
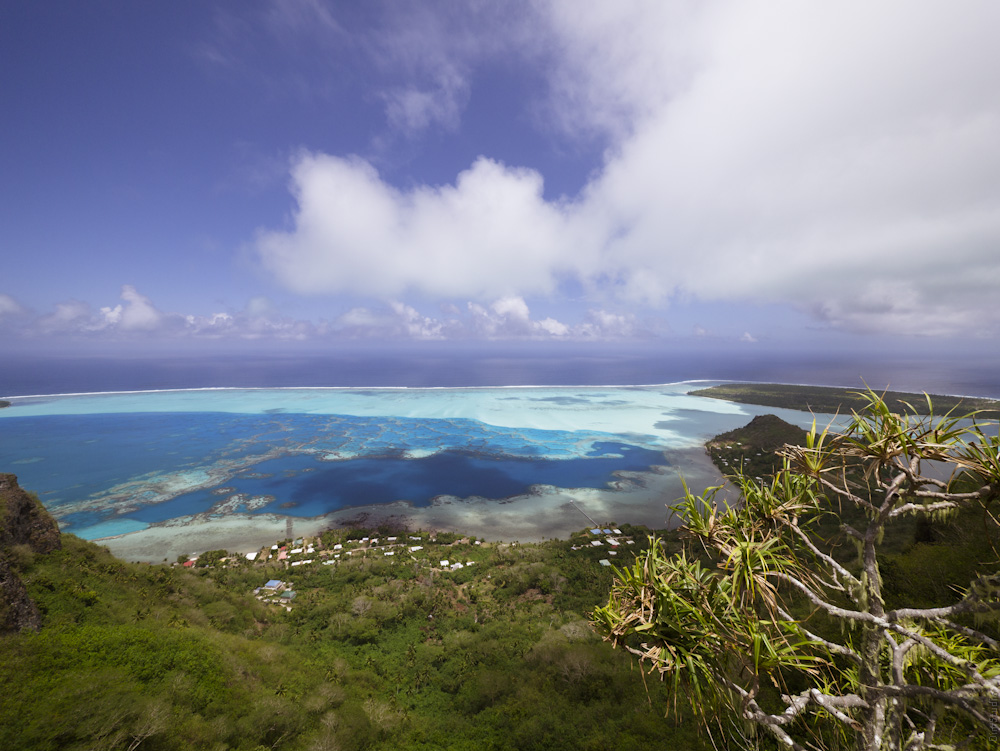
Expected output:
(971, 373)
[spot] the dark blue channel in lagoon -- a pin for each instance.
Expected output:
(304, 486)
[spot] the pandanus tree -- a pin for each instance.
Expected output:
(773, 614)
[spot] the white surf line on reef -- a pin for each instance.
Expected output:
(382, 388)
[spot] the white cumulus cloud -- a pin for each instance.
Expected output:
(490, 234)
(138, 313)
(841, 159)
(137, 318)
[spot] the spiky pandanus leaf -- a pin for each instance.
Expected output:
(716, 619)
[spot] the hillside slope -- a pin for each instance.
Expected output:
(373, 652)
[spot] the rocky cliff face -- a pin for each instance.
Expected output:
(17, 611)
(23, 521)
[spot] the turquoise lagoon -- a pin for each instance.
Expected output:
(108, 464)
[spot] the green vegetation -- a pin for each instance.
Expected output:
(832, 400)
(752, 449)
(374, 652)
(4, 403)
(849, 601)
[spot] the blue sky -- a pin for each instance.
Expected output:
(750, 173)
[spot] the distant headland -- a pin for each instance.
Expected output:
(832, 400)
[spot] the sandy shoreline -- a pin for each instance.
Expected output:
(641, 498)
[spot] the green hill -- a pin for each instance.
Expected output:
(373, 651)
(752, 447)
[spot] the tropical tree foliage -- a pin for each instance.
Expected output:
(776, 612)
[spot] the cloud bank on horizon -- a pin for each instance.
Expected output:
(628, 170)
